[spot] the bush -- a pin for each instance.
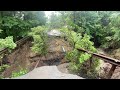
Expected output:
(40, 40)
(7, 43)
(20, 73)
(15, 27)
(80, 60)
(3, 67)
(71, 36)
(112, 39)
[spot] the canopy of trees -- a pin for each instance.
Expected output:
(101, 26)
(82, 29)
(18, 23)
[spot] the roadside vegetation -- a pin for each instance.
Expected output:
(88, 30)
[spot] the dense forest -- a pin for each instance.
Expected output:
(88, 30)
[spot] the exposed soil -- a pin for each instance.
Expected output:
(18, 59)
(23, 57)
(105, 67)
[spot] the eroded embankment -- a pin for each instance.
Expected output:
(23, 57)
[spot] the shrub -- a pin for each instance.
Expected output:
(20, 73)
(3, 67)
(7, 43)
(40, 40)
(80, 60)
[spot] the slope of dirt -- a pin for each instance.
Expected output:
(55, 45)
(47, 72)
(23, 57)
(18, 59)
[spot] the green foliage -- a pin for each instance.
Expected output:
(86, 44)
(3, 67)
(71, 36)
(72, 55)
(39, 35)
(101, 26)
(0, 31)
(18, 23)
(1, 77)
(35, 18)
(80, 60)
(14, 27)
(84, 57)
(96, 24)
(7, 43)
(79, 29)
(92, 23)
(20, 73)
(112, 39)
